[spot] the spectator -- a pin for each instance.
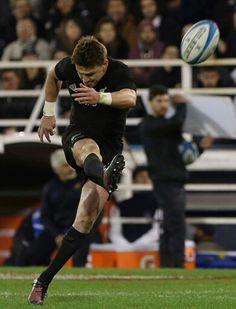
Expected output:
(67, 35)
(59, 54)
(60, 199)
(5, 28)
(177, 13)
(125, 22)
(26, 38)
(13, 107)
(60, 10)
(161, 137)
(149, 10)
(213, 77)
(40, 8)
(172, 22)
(28, 231)
(106, 32)
(32, 78)
(169, 76)
(231, 38)
(10, 80)
(20, 9)
(148, 47)
(143, 205)
(63, 9)
(204, 238)
(90, 12)
(222, 12)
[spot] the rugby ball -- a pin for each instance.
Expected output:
(188, 151)
(200, 41)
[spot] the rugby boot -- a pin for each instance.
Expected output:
(38, 293)
(112, 173)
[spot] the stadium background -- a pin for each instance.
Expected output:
(24, 162)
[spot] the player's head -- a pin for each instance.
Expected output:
(159, 100)
(90, 59)
(60, 166)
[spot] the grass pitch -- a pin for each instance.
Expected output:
(78, 288)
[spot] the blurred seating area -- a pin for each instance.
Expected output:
(138, 29)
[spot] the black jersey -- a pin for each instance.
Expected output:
(98, 119)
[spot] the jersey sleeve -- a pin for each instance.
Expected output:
(123, 79)
(62, 68)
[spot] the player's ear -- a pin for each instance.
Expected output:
(105, 65)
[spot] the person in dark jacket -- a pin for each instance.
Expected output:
(42, 231)
(169, 76)
(161, 136)
(60, 197)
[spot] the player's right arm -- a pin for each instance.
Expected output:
(48, 121)
(52, 87)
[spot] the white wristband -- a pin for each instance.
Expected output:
(105, 98)
(49, 108)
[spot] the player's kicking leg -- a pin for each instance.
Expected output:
(87, 155)
(93, 197)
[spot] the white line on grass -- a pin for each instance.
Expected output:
(18, 276)
(157, 294)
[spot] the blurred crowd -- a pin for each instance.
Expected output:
(137, 29)
(34, 30)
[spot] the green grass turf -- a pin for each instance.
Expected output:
(190, 289)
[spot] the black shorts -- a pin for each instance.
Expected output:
(109, 147)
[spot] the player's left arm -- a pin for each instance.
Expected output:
(124, 98)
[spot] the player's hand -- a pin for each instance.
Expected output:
(178, 98)
(46, 127)
(86, 95)
(206, 141)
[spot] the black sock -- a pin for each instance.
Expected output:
(93, 168)
(71, 242)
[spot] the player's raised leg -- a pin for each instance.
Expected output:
(87, 155)
(93, 197)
